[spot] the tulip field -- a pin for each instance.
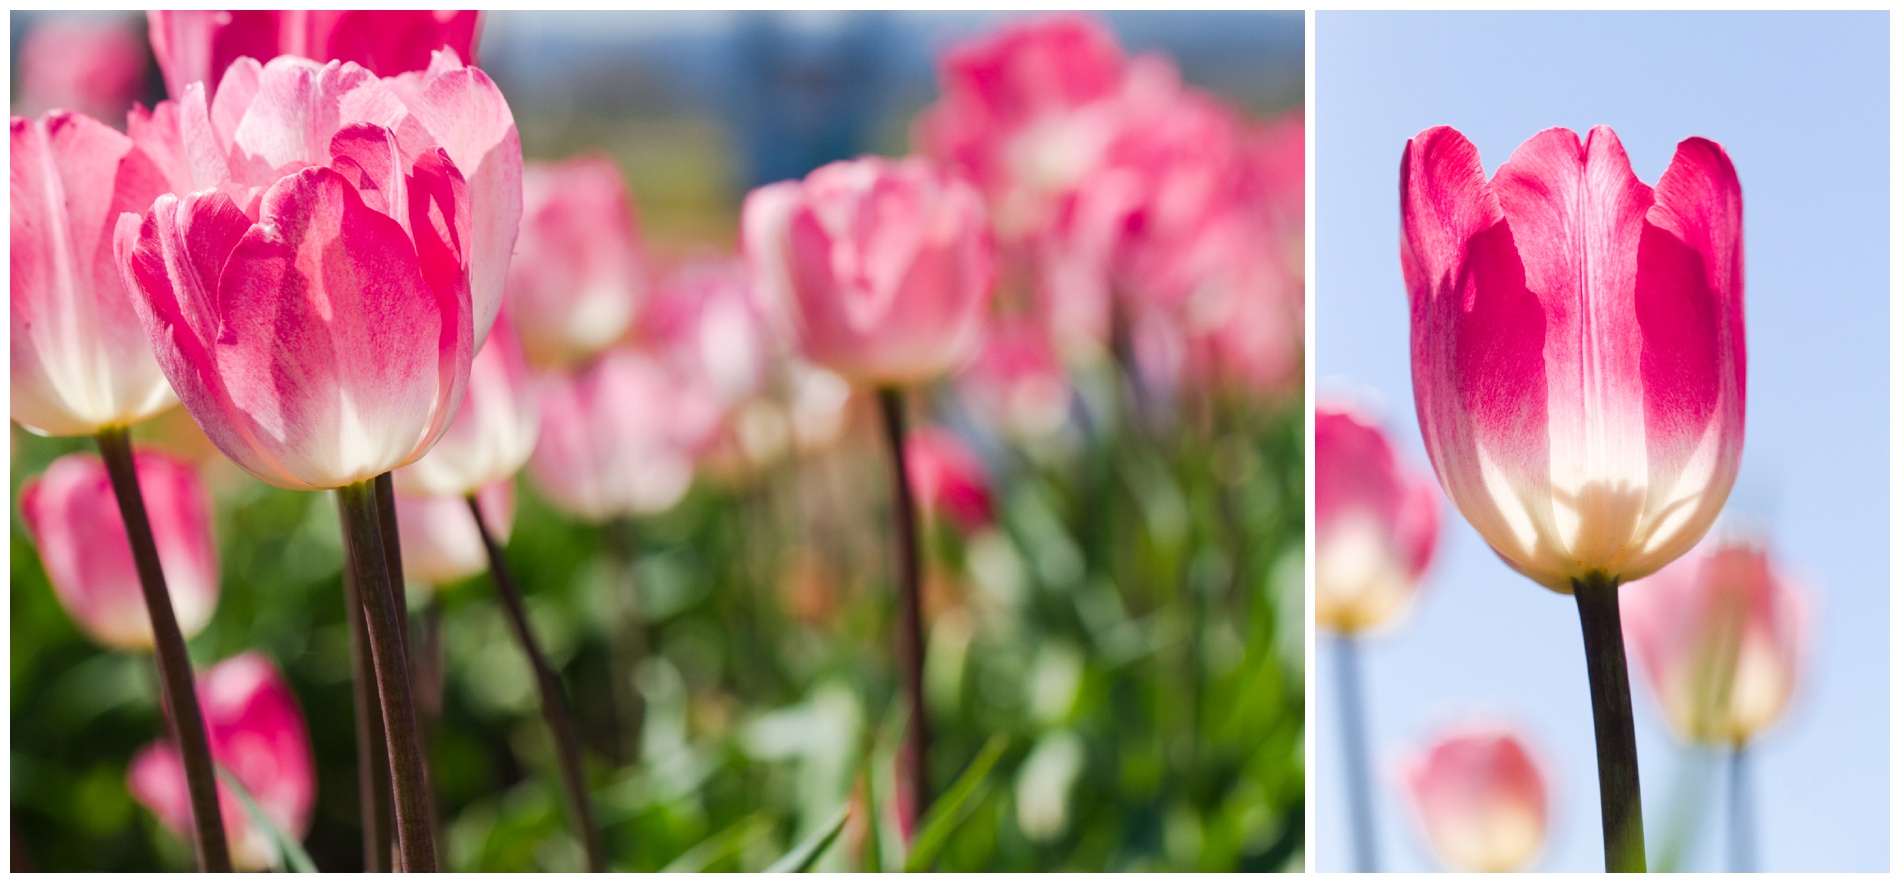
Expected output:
(388, 496)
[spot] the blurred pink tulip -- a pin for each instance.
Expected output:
(1720, 635)
(1244, 316)
(197, 45)
(704, 319)
(948, 478)
(492, 434)
(881, 268)
(258, 734)
(73, 516)
(440, 544)
(1481, 799)
(619, 437)
(316, 323)
(579, 277)
(1375, 522)
(80, 360)
(1577, 348)
(90, 63)
(1016, 384)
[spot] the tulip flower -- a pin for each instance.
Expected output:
(492, 434)
(440, 544)
(73, 516)
(1016, 384)
(949, 479)
(195, 46)
(704, 319)
(258, 736)
(92, 64)
(579, 277)
(1480, 797)
(1579, 368)
(1375, 523)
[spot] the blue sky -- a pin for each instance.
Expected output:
(1800, 100)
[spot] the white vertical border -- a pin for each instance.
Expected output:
(1312, 340)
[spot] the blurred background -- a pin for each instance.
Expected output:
(1780, 92)
(1129, 620)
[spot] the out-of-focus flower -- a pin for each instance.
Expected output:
(80, 360)
(578, 278)
(258, 734)
(93, 64)
(440, 543)
(1577, 347)
(1480, 796)
(73, 515)
(1720, 635)
(619, 437)
(197, 45)
(1375, 522)
(1244, 318)
(492, 434)
(948, 478)
(1016, 383)
(317, 324)
(705, 321)
(881, 269)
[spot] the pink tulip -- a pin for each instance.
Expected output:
(73, 516)
(1244, 313)
(619, 437)
(1577, 347)
(440, 544)
(316, 323)
(579, 277)
(1375, 522)
(1479, 795)
(258, 734)
(92, 64)
(1016, 384)
(197, 45)
(492, 434)
(948, 478)
(1719, 634)
(704, 320)
(80, 359)
(881, 268)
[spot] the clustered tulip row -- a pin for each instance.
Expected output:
(1578, 366)
(327, 246)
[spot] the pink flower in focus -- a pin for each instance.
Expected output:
(494, 431)
(80, 360)
(440, 544)
(258, 734)
(73, 516)
(315, 319)
(1481, 799)
(93, 64)
(579, 277)
(196, 46)
(1720, 635)
(948, 478)
(1577, 348)
(1017, 383)
(1375, 523)
(881, 268)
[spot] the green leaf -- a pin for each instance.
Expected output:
(721, 846)
(955, 805)
(806, 853)
(287, 846)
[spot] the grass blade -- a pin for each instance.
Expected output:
(720, 846)
(287, 846)
(955, 805)
(806, 853)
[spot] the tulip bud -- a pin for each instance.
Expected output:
(1577, 346)
(948, 478)
(1480, 798)
(579, 277)
(1719, 634)
(1375, 523)
(440, 543)
(73, 516)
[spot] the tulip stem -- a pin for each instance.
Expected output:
(1352, 717)
(372, 744)
(408, 779)
(178, 695)
(910, 643)
(1741, 828)
(567, 745)
(392, 562)
(1618, 787)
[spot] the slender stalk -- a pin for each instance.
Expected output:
(385, 486)
(178, 694)
(372, 744)
(1741, 827)
(426, 675)
(1365, 836)
(567, 743)
(408, 780)
(1619, 790)
(626, 643)
(910, 643)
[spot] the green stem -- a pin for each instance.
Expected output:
(178, 694)
(910, 643)
(567, 743)
(1618, 787)
(408, 779)
(372, 744)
